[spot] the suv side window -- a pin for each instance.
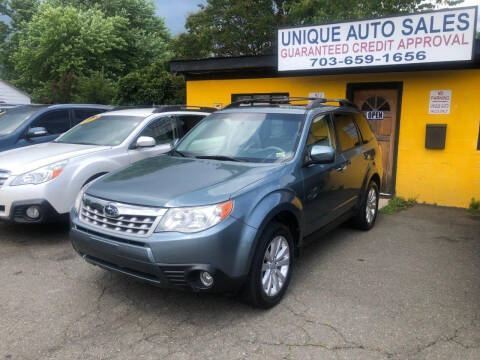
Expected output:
(320, 132)
(186, 122)
(347, 132)
(162, 130)
(364, 127)
(55, 122)
(83, 114)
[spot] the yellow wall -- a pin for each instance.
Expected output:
(448, 177)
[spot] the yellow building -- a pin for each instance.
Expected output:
(425, 115)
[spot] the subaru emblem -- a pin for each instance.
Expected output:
(111, 211)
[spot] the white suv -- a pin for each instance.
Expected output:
(39, 183)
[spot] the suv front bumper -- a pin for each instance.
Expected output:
(171, 259)
(14, 201)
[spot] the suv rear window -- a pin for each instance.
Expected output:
(347, 132)
(364, 127)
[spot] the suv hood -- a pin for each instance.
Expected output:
(25, 159)
(166, 181)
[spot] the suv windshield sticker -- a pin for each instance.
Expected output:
(90, 119)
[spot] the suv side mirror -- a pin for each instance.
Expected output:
(36, 132)
(146, 141)
(320, 154)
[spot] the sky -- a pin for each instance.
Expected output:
(175, 12)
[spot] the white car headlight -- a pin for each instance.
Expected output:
(41, 175)
(194, 219)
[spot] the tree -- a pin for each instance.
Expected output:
(232, 27)
(247, 27)
(95, 89)
(318, 11)
(66, 40)
(19, 11)
(151, 85)
(76, 50)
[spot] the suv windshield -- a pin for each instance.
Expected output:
(100, 130)
(11, 119)
(254, 137)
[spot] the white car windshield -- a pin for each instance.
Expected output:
(253, 137)
(103, 130)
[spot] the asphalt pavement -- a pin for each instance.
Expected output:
(408, 289)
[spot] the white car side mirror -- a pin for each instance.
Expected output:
(146, 141)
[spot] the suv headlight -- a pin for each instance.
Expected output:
(194, 219)
(79, 199)
(41, 175)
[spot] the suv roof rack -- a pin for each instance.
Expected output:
(315, 102)
(166, 108)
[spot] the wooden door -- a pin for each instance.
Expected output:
(380, 108)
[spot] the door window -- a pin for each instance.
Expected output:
(320, 132)
(82, 114)
(162, 130)
(347, 131)
(55, 122)
(364, 127)
(186, 122)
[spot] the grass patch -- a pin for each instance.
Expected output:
(474, 207)
(397, 204)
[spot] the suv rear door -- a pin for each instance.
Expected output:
(353, 166)
(187, 121)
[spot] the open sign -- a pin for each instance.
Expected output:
(374, 115)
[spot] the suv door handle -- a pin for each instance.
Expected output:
(343, 166)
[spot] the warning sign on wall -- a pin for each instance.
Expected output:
(440, 101)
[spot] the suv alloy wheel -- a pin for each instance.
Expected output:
(271, 267)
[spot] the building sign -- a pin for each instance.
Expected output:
(438, 36)
(440, 101)
(374, 115)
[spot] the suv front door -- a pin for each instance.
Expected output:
(322, 183)
(163, 130)
(55, 122)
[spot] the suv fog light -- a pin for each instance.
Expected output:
(33, 212)
(206, 279)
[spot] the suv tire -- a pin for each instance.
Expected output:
(367, 214)
(272, 267)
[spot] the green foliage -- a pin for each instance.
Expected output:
(397, 204)
(67, 40)
(231, 28)
(151, 85)
(19, 11)
(77, 50)
(319, 11)
(474, 207)
(95, 89)
(248, 27)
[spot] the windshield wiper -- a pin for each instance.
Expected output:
(218, 157)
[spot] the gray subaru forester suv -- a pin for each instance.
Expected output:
(228, 208)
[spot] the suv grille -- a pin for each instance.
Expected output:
(120, 218)
(3, 176)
